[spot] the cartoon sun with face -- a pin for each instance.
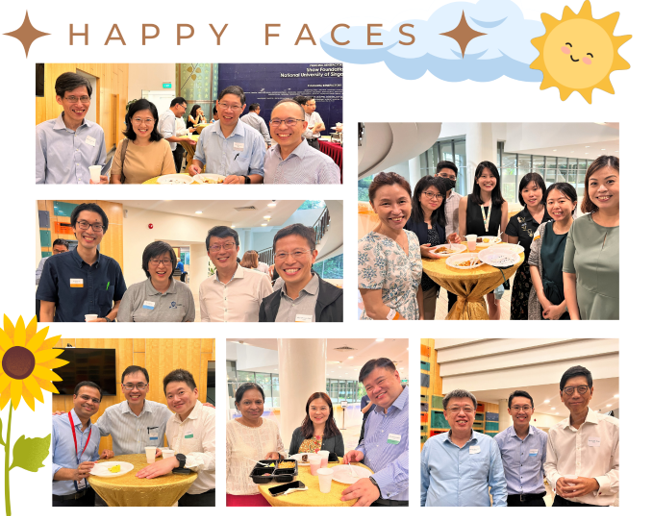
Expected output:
(578, 52)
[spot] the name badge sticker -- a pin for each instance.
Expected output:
(153, 434)
(239, 146)
(474, 450)
(91, 141)
(303, 318)
(594, 441)
(533, 453)
(149, 305)
(76, 282)
(394, 439)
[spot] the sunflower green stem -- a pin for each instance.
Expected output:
(7, 448)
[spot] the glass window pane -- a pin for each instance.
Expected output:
(446, 153)
(276, 398)
(562, 170)
(459, 153)
(551, 170)
(265, 381)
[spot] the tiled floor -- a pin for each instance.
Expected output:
(351, 437)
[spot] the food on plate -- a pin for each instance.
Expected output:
(304, 458)
(285, 465)
(266, 475)
(210, 181)
(481, 240)
(469, 263)
(115, 469)
(271, 465)
(443, 250)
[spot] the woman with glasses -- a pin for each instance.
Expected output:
(390, 267)
(143, 154)
(318, 431)
(428, 223)
(160, 298)
(250, 438)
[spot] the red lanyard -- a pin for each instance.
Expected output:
(76, 449)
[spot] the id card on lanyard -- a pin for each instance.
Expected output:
(83, 484)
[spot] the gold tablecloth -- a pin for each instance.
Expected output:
(469, 285)
(312, 497)
(130, 491)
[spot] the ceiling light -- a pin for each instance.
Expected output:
(616, 395)
(267, 217)
(552, 408)
(602, 149)
(263, 225)
(586, 153)
(608, 404)
(351, 357)
(272, 204)
(546, 401)
(379, 340)
(232, 226)
(554, 150)
(198, 213)
(586, 146)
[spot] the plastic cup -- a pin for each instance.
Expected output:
(90, 317)
(150, 453)
(325, 479)
(471, 242)
(324, 458)
(167, 454)
(315, 464)
(95, 173)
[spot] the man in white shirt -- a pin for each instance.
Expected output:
(191, 434)
(315, 123)
(233, 293)
(59, 246)
(168, 129)
(253, 119)
(583, 452)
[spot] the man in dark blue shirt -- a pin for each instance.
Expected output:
(82, 281)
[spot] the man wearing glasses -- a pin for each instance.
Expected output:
(233, 293)
(583, 454)
(68, 145)
(293, 161)
(83, 281)
(523, 452)
(230, 147)
(304, 296)
(168, 130)
(461, 468)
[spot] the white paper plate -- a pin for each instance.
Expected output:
(516, 248)
(455, 249)
(217, 178)
(174, 179)
(491, 240)
(343, 475)
(101, 469)
(499, 258)
(453, 261)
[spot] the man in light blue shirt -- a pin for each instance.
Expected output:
(68, 145)
(385, 447)
(75, 448)
(523, 452)
(461, 468)
(230, 147)
(254, 119)
(293, 161)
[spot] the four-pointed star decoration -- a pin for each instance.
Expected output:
(463, 34)
(26, 34)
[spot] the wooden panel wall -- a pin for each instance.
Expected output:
(158, 356)
(112, 86)
(112, 243)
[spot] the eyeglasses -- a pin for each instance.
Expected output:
(87, 398)
(157, 261)
(84, 224)
(131, 386)
(290, 122)
(299, 253)
(226, 247)
(517, 408)
(581, 389)
(140, 121)
(84, 100)
(229, 106)
(447, 176)
(248, 403)
(431, 195)
(457, 410)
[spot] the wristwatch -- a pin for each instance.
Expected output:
(108, 319)
(181, 459)
(375, 484)
(247, 180)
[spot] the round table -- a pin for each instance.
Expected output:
(130, 491)
(470, 285)
(312, 497)
(153, 180)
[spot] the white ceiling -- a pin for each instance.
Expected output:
(224, 211)
(339, 364)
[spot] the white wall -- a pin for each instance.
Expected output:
(263, 239)
(539, 420)
(149, 77)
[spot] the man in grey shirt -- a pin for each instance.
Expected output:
(67, 146)
(166, 127)
(59, 246)
(254, 119)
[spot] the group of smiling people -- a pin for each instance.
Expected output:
(571, 266)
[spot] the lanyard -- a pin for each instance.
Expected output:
(486, 220)
(76, 449)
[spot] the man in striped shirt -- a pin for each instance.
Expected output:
(293, 161)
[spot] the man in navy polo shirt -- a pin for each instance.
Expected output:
(82, 281)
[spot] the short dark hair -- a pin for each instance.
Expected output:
(134, 369)
(87, 383)
(475, 196)
(532, 177)
(458, 393)
(300, 99)
(89, 206)
(254, 107)
(155, 249)
(447, 164)
(567, 189)
(178, 100)
(69, 81)
(308, 99)
(574, 371)
(296, 229)
(248, 387)
(290, 101)
(215, 108)
(233, 90)
(222, 232)
(520, 394)
(374, 363)
(600, 162)
(387, 179)
(417, 215)
(60, 241)
(141, 105)
(179, 375)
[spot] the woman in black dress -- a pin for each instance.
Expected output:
(521, 230)
(196, 117)
(484, 212)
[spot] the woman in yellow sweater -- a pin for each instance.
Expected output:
(143, 153)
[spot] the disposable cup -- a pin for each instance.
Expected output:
(150, 453)
(325, 479)
(471, 242)
(315, 464)
(324, 458)
(90, 317)
(95, 173)
(167, 454)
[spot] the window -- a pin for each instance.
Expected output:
(312, 205)
(333, 268)
(450, 149)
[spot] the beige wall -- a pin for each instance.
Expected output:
(146, 76)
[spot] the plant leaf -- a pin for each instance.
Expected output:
(29, 454)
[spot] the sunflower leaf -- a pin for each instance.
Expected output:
(29, 454)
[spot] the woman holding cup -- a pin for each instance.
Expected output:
(592, 254)
(318, 432)
(484, 212)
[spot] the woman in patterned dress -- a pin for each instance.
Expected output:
(318, 430)
(390, 268)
